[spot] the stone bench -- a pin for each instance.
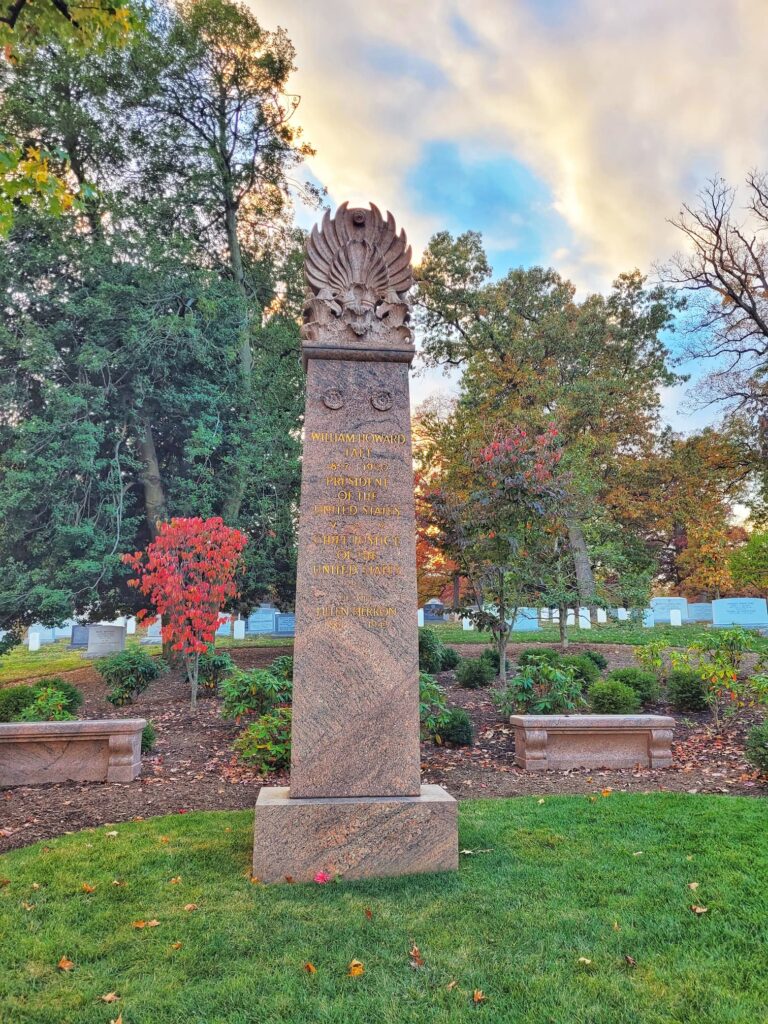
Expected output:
(592, 741)
(101, 750)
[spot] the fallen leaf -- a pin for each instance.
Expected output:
(117, 881)
(322, 878)
(356, 968)
(693, 885)
(190, 906)
(541, 802)
(478, 996)
(110, 834)
(35, 885)
(417, 960)
(310, 968)
(368, 914)
(451, 985)
(638, 853)
(146, 924)
(631, 961)
(584, 960)
(699, 910)
(110, 997)
(616, 926)
(164, 839)
(117, 1020)
(606, 792)
(288, 878)
(6, 881)
(65, 965)
(176, 880)
(27, 906)
(176, 945)
(88, 888)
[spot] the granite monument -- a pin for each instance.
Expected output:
(356, 806)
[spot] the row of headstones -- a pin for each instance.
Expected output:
(674, 611)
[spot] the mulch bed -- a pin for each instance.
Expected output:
(193, 766)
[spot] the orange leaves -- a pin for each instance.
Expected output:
(88, 889)
(176, 945)
(356, 968)
(65, 964)
(146, 924)
(109, 997)
(417, 960)
(693, 885)
(698, 911)
(478, 996)
(189, 907)
(368, 914)
(310, 968)
(175, 880)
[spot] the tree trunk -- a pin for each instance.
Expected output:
(456, 592)
(154, 493)
(585, 580)
(563, 626)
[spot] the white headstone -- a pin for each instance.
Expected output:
(544, 614)
(570, 618)
(675, 617)
(467, 624)
(130, 625)
(421, 616)
(585, 620)
(33, 640)
(555, 614)
(239, 628)
(602, 616)
(649, 620)
(622, 614)
(104, 640)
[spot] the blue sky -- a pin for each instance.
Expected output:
(568, 132)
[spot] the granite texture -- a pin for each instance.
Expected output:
(592, 741)
(355, 838)
(102, 750)
(355, 805)
(104, 640)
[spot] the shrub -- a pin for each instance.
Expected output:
(128, 673)
(14, 700)
(599, 659)
(214, 668)
(49, 705)
(585, 671)
(644, 683)
(433, 708)
(491, 656)
(756, 747)
(474, 673)
(253, 693)
(456, 728)
(74, 697)
(539, 688)
(537, 655)
(148, 738)
(266, 743)
(430, 651)
(610, 697)
(282, 667)
(449, 658)
(687, 691)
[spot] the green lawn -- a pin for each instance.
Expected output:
(51, 659)
(549, 882)
(675, 636)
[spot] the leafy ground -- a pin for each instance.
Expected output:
(564, 909)
(193, 767)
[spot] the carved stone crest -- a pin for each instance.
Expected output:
(358, 272)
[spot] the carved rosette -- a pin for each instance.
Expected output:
(358, 273)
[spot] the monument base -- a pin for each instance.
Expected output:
(355, 837)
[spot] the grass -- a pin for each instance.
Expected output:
(548, 883)
(636, 636)
(51, 659)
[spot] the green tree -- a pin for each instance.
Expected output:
(749, 564)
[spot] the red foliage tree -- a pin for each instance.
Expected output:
(188, 573)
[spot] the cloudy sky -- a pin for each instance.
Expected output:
(566, 131)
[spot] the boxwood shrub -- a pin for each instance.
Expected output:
(645, 684)
(610, 697)
(687, 691)
(474, 673)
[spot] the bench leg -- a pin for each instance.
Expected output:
(124, 758)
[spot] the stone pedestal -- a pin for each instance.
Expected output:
(356, 806)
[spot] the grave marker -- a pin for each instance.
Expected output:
(104, 640)
(740, 611)
(356, 806)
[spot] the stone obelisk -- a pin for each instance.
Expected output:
(355, 806)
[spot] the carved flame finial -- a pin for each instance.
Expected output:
(358, 272)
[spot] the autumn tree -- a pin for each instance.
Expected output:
(532, 354)
(188, 572)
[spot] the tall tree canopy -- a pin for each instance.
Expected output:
(149, 342)
(533, 355)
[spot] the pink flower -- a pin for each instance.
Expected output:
(322, 877)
